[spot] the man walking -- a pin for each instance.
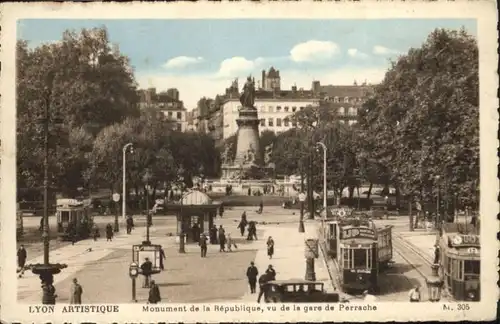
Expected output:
(21, 259)
(222, 239)
(263, 280)
(76, 292)
(146, 269)
(130, 224)
(203, 245)
(252, 273)
(109, 233)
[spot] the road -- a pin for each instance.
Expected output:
(103, 270)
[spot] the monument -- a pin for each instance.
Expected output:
(249, 162)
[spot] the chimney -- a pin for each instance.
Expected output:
(294, 88)
(316, 87)
(263, 79)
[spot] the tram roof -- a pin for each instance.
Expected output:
(294, 282)
(460, 228)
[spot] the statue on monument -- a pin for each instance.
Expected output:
(225, 155)
(247, 98)
(250, 155)
(268, 152)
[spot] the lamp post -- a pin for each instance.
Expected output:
(124, 180)
(182, 248)
(46, 270)
(146, 178)
(437, 202)
(324, 174)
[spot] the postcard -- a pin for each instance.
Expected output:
(240, 162)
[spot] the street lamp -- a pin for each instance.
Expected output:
(324, 174)
(46, 270)
(181, 234)
(124, 180)
(146, 178)
(437, 201)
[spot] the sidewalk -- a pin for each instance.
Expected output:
(77, 257)
(288, 259)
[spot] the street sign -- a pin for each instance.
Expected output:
(302, 197)
(116, 197)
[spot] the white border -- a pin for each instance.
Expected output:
(483, 11)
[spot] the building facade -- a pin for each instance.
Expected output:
(168, 104)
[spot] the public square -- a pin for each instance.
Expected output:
(355, 191)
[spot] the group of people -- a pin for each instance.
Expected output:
(216, 236)
(252, 228)
(267, 276)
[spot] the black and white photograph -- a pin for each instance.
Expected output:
(230, 165)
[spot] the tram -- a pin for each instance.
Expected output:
(360, 249)
(459, 260)
(73, 219)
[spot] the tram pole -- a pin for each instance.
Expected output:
(124, 179)
(302, 198)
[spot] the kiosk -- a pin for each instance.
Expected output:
(195, 213)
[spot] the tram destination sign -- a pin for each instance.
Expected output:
(461, 240)
(356, 232)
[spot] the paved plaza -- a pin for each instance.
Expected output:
(102, 267)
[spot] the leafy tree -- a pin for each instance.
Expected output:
(423, 120)
(84, 81)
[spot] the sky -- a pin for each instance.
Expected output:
(202, 57)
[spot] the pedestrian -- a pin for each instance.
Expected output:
(249, 191)
(222, 239)
(414, 295)
(252, 231)
(261, 207)
(213, 234)
(252, 273)
(436, 254)
(21, 259)
(203, 245)
(109, 233)
(270, 247)
(130, 224)
(263, 280)
(154, 293)
(41, 224)
(221, 210)
(146, 270)
(367, 297)
(162, 257)
(230, 243)
(95, 232)
(271, 272)
(73, 234)
(243, 223)
(76, 292)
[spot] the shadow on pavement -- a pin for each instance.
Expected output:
(172, 284)
(400, 268)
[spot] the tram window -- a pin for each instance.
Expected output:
(65, 216)
(471, 267)
(457, 268)
(369, 258)
(290, 288)
(346, 258)
(359, 258)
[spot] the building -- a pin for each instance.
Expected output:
(276, 106)
(346, 100)
(167, 103)
(275, 109)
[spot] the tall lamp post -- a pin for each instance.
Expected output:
(438, 221)
(302, 198)
(124, 180)
(46, 270)
(182, 248)
(146, 178)
(324, 174)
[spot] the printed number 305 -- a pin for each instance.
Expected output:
(463, 306)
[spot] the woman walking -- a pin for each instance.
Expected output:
(270, 247)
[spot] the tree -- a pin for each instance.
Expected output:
(85, 82)
(423, 120)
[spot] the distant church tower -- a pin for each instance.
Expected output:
(271, 80)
